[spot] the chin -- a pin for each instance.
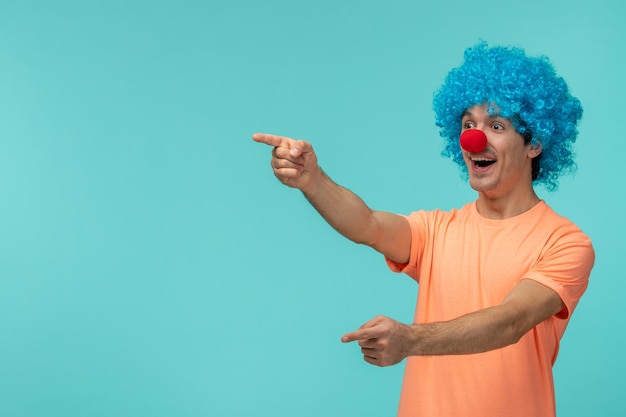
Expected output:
(480, 185)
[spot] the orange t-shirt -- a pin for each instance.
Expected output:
(464, 263)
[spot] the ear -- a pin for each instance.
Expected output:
(534, 150)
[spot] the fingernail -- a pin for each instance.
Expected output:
(294, 151)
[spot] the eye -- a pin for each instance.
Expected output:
(468, 125)
(497, 126)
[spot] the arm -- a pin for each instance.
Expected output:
(295, 164)
(385, 342)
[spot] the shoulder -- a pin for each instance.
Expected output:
(438, 215)
(566, 246)
(558, 225)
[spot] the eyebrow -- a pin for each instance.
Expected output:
(490, 116)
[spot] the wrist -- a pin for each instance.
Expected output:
(412, 339)
(315, 181)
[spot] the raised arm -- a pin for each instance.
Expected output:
(295, 164)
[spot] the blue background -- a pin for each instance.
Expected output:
(150, 263)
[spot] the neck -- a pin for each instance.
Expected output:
(502, 207)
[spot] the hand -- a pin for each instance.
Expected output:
(383, 341)
(293, 161)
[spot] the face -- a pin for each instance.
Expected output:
(505, 165)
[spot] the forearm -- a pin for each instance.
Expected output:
(341, 208)
(528, 304)
(481, 331)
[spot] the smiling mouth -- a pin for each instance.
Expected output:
(482, 162)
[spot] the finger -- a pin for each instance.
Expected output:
(271, 140)
(349, 337)
(367, 331)
(371, 361)
(370, 351)
(300, 147)
(286, 174)
(282, 152)
(278, 163)
(361, 334)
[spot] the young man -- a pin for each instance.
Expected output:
(500, 277)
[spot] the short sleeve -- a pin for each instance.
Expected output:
(565, 268)
(418, 221)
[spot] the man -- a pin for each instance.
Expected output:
(498, 278)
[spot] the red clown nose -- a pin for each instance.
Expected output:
(473, 140)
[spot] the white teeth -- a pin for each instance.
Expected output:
(481, 159)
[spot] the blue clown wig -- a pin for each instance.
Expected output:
(523, 89)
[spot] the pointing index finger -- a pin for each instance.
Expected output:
(271, 140)
(368, 330)
(361, 334)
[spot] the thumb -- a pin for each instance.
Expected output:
(300, 147)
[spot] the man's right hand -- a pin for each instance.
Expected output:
(294, 162)
(295, 165)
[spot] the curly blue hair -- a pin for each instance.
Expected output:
(525, 90)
